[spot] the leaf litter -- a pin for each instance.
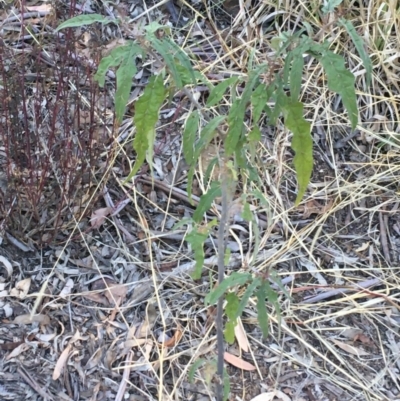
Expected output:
(336, 227)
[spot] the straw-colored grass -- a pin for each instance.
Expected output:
(342, 240)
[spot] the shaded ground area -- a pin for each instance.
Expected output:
(117, 315)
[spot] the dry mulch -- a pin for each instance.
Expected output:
(116, 313)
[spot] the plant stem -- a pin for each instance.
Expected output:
(222, 234)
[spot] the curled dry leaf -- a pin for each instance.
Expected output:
(314, 207)
(95, 392)
(41, 8)
(7, 309)
(114, 292)
(362, 248)
(151, 316)
(134, 342)
(28, 319)
(17, 351)
(96, 297)
(7, 265)
(271, 395)
(67, 288)
(349, 348)
(241, 336)
(21, 289)
(46, 337)
(143, 364)
(84, 262)
(99, 216)
(363, 338)
(62, 360)
(171, 342)
(239, 363)
(106, 291)
(351, 333)
(95, 359)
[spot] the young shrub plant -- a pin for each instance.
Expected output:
(282, 91)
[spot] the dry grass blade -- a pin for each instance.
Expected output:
(338, 253)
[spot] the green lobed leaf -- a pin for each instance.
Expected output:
(267, 110)
(218, 91)
(238, 110)
(189, 136)
(82, 20)
(272, 297)
(229, 331)
(330, 5)
(115, 58)
(359, 44)
(159, 95)
(154, 26)
(235, 122)
(308, 28)
(240, 155)
(251, 288)
(212, 163)
(316, 49)
(200, 77)
(206, 135)
(231, 308)
(246, 213)
(287, 66)
(184, 60)
(164, 49)
(232, 305)
(206, 200)
(271, 294)
(252, 81)
(296, 74)
(262, 313)
(253, 138)
(280, 102)
(257, 239)
(301, 144)
(227, 386)
(186, 76)
(227, 256)
(294, 62)
(199, 362)
(190, 176)
(146, 116)
(259, 99)
(254, 175)
(277, 280)
(185, 221)
(254, 135)
(341, 81)
(234, 279)
(196, 239)
(112, 60)
(124, 76)
(261, 197)
(276, 43)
